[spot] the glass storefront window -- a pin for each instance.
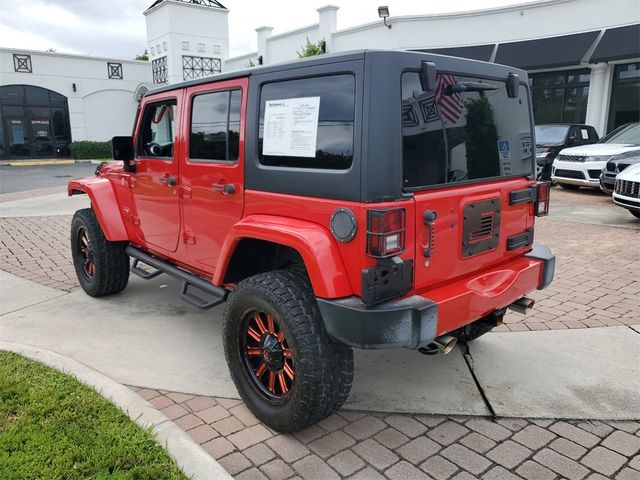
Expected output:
(34, 122)
(625, 95)
(560, 97)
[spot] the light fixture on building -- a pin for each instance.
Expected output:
(260, 60)
(73, 86)
(383, 13)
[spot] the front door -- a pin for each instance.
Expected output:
(212, 175)
(155, 183)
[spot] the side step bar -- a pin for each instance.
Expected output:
(188, 279)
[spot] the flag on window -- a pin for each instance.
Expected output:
(449, 106)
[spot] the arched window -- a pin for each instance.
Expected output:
(34, 122)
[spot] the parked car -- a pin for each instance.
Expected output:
(360, 199)
(627, 190)
(616, 166)
(581, 166)
(551, 138)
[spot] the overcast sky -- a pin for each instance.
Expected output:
(116, 28)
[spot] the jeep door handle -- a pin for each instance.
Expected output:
(224, 188)
(169, 181)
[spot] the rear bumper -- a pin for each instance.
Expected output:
(415, 321)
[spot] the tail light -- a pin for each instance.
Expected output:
(385, 232)
(542, 202)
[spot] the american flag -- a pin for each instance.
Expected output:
(449, 106)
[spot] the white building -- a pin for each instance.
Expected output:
(583, 57)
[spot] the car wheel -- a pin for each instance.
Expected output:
(635, 213)
(102, 267)
(568, 186)
(284, 365)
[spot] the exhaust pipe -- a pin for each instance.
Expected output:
(522, 305)
(445, 343)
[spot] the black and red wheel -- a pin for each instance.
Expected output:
(267, 356)
(102, 267)
(284, 365)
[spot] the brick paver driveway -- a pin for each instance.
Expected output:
(597, 284)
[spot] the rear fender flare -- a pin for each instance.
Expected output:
(104, 205)
(313, 242)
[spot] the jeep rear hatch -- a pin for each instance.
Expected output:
(467, 147)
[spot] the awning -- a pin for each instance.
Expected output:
(618, 44)
(562, 51)
(474, 52)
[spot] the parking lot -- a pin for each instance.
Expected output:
(597, 284)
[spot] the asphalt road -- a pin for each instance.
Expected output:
(18, 179)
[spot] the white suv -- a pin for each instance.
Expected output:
(626, 192)
(581, 166)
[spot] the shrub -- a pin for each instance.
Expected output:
(311, 49)
(91, 150)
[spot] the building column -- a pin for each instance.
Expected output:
(327, 24)
(599, 97)
(263, 43)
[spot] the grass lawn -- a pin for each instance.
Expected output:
(54, 427)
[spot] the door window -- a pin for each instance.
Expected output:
(215, 127)
(158, 130)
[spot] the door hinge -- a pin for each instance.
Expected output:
(527, 195)
(189, 238)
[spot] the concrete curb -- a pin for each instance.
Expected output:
(192, 459)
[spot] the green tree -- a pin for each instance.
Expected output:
(312, 49)
(144, 56)
(481, 137)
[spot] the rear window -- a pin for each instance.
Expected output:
(308, 123)
(450, 136)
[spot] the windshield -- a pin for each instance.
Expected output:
(626, 134)
(461, 132)
(551, 134)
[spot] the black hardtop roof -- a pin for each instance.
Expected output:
(323, 60)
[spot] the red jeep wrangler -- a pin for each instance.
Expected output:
(369, 199)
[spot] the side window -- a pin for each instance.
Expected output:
(157, 130)
(215, 126)
(308, 123)
(593, 135)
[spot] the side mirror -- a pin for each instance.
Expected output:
(572, 141)
(122, 148)
(428, 76)
(513, 85)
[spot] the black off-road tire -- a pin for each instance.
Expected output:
(110, 270)
(323, 368)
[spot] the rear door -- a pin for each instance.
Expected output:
(212, 177)
(464, 155)
(154, 184)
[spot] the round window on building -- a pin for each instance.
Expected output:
(34, 122)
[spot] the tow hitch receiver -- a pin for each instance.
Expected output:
(522, 305)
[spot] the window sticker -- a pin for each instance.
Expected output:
(585, 133)
(526, 146)
(504, 150)
(291, 127)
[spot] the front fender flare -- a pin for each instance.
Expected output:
(313, 242)
(104, 205)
